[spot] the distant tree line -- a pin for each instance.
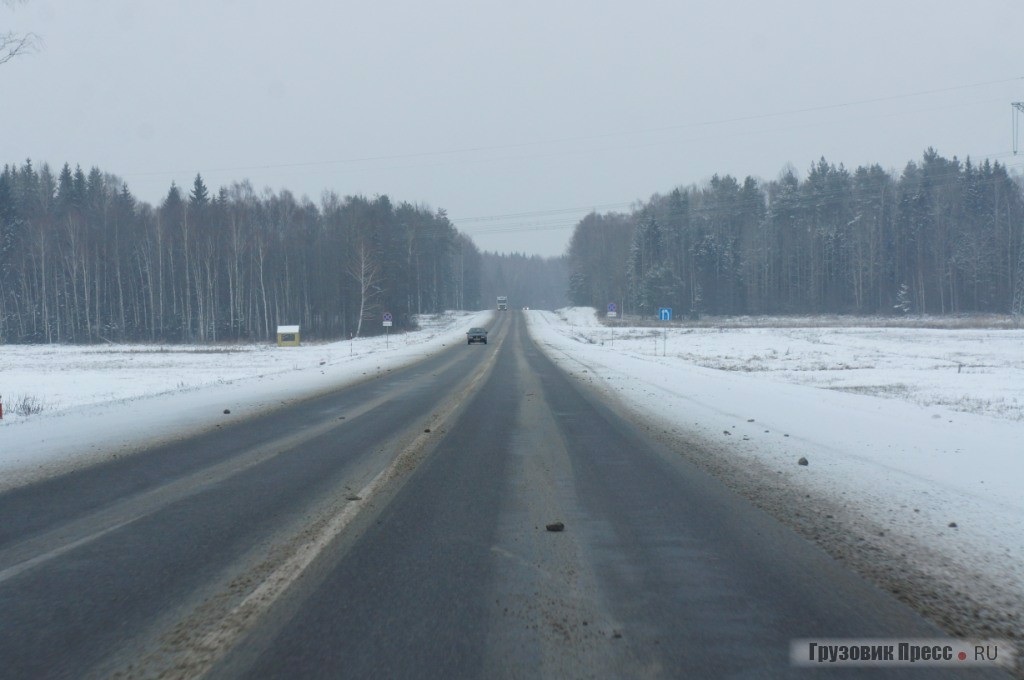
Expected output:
(81, 260)
(526, 280)
(944, 236)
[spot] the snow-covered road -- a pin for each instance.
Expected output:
(914, 438)
(101, 401)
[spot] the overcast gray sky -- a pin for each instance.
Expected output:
(516, 117)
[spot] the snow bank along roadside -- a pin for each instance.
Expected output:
(926, 500)
(112, 401)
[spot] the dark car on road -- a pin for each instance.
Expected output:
(476, 335)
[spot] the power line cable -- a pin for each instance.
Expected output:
(799, 196)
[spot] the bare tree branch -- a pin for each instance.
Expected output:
(13, 44)
(364, 268)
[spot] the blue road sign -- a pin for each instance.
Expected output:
(611, 307)
(664, 313)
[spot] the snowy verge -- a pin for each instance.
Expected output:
(103, 402)
(925, 499)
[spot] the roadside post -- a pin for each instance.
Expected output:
(613, 311)
(664, 314)
(387, 326)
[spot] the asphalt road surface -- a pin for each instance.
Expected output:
(398, 529)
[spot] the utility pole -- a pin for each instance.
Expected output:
(1017, 306)
(1018, 290)
(1016, 113)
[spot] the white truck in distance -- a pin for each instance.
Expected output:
(502, 303)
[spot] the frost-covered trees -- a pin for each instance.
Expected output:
(81, 260)
(944, 234)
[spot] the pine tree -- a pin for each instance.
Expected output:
(199, 196)
(647, 254)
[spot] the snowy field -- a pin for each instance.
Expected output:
(914, 437)
(71, 405)
(914, 440)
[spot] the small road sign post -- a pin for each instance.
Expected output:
(664, 314)
(612, 310)
(387, 326)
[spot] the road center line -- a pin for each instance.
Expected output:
(215, 644)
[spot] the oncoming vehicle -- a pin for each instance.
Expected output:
(476, 335)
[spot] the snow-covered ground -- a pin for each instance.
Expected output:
(72, 405)
(914, 437)
(914, 440)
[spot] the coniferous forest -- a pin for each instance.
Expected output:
(81, 260)
(942, 237)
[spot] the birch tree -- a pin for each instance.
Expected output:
(365, 270)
